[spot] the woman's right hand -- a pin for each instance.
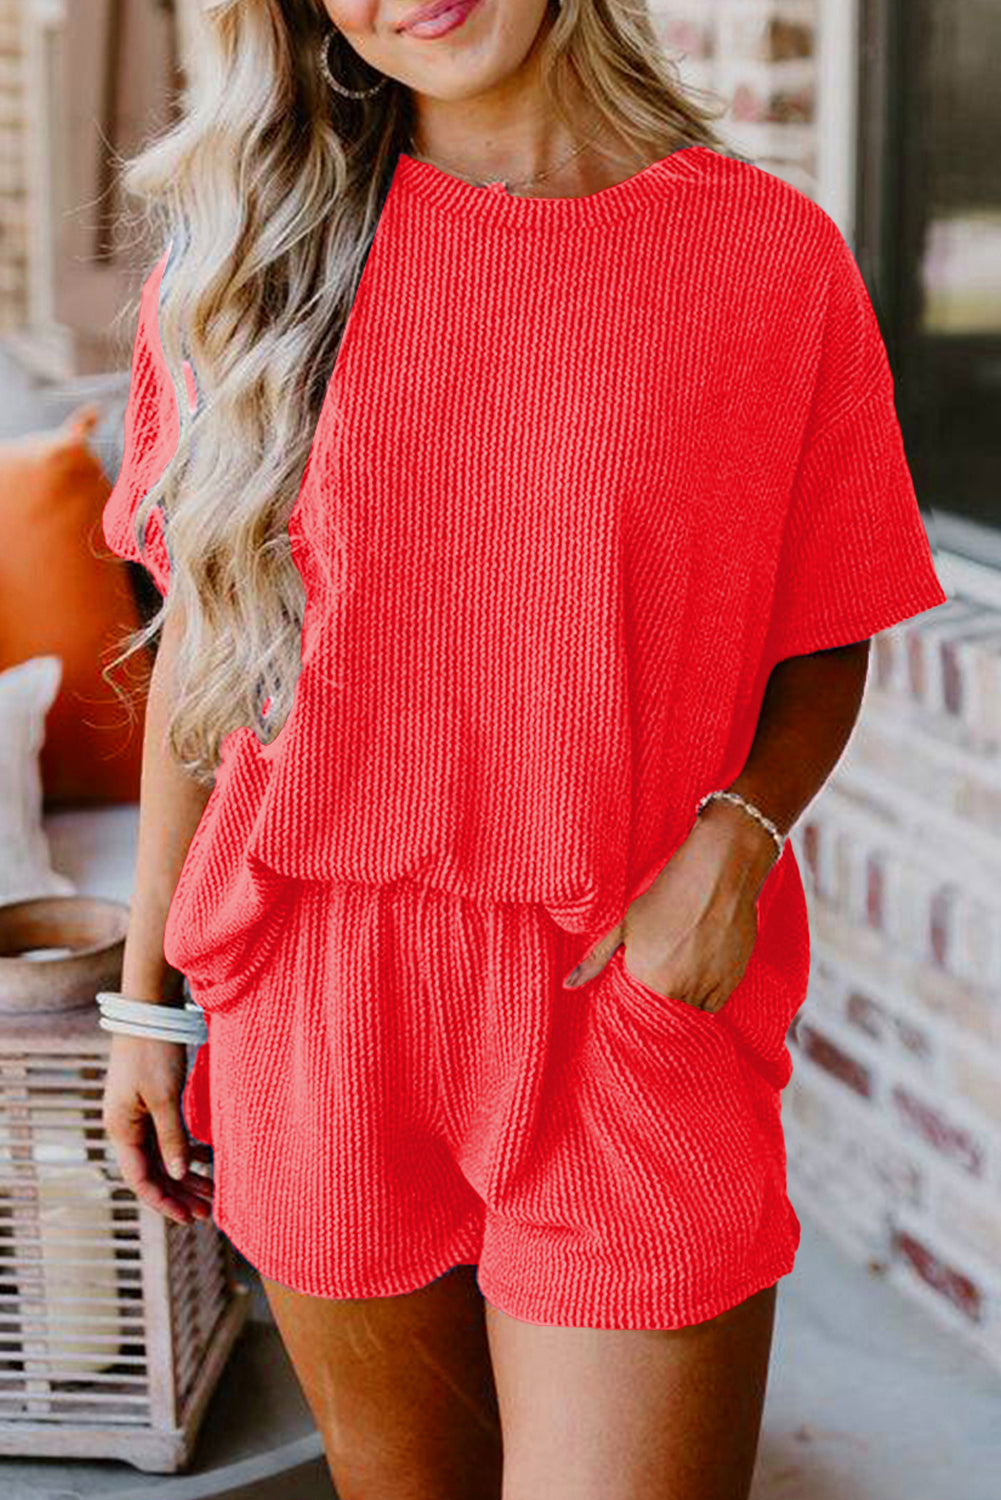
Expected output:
(142, 1117)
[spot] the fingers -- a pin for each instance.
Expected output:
(136, 1169)
(171, 1135)
(190, 1189)
(595, 960)
(141, 1160)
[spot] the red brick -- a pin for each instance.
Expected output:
(949, 1139)
(912, 1038)
(958, 1288)
(917, 671)
(875, 890)
(876, 1021)
(866, 1015)
(952, 679)
(940, 910)
(885, 654)
(811, 852)
(820, 1049)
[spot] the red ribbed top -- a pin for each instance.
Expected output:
(585, 470)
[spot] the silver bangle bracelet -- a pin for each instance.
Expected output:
(749, 807)
(168, 1023)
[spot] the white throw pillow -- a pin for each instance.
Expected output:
(27, 692)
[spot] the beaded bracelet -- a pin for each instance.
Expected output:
(750, 808)
(167, 1023)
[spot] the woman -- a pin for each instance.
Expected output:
(535, 489)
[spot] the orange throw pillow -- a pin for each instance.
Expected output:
(63, 592)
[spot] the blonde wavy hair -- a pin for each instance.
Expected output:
(268, 189)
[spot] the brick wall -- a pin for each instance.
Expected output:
(893, 1113)
(13, 202)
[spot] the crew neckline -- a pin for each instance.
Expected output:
(443, 190)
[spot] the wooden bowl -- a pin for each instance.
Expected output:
(86, 936)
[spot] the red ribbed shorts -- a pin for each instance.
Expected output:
(396, 1082)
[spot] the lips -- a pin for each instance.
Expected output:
(425, 13)
(429, 12)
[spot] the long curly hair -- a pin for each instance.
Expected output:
(268, 189)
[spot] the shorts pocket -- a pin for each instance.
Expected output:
(654, 1032)
(653, 1005)
(669, 1092)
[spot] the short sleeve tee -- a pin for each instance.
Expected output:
(585, 471)
(150, 440)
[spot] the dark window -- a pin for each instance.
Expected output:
(929, 246)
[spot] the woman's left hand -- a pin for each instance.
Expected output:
(691, 933)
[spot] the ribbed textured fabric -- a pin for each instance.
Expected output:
(150, 440)
(585, 471)
(400, 1084)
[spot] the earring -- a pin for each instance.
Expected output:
(323, 57)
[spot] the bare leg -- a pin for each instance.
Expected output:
(401, 1388)
(620, 1414)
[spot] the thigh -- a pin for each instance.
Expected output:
(401, 1388)
(620, 1414)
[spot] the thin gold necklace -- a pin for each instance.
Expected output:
(500, 182)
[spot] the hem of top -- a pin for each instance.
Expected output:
(424, 181)
(846, 632)
(554, 1310)
(412, 1277)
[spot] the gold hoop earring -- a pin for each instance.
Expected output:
(323, 58)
